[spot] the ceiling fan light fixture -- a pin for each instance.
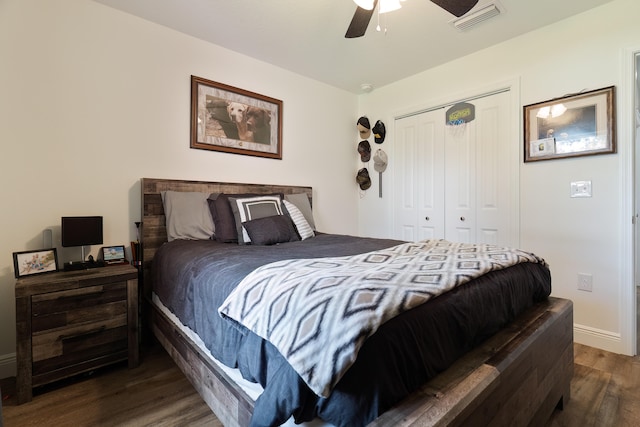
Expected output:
(389, 6)
(364, 4)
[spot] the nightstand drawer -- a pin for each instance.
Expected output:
(78, 325)
(77, 306)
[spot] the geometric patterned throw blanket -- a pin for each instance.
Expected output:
(318, 312)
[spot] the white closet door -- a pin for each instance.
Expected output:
(419, 177)
(457, 183)
(497, 189)
(460, 182)
(477, 175)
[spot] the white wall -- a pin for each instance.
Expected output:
(92, 99)
(574, 235)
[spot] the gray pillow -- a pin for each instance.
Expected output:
(271, 230)
(301, 200)
(187, 215)
(246, 209)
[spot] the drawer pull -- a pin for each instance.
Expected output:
(82, 298)
(83, 334)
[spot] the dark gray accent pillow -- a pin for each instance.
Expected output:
(271, 230)
(225, 225)
(248, 208)
(223, 219)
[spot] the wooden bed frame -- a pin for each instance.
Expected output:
(516, 378)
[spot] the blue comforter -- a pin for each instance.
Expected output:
(193, 278)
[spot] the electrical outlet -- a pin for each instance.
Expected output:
(585, 282)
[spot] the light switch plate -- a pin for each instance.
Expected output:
(581, 189)
(585, 282)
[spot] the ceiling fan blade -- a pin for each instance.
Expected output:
(456, 7)
(360, 22)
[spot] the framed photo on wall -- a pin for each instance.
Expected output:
(576, 125)
(229, 119)
(28, 263)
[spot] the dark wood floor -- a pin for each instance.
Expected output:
(153, 394)
(605, 392)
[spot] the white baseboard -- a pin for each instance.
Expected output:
(8, 365)
(598, 338)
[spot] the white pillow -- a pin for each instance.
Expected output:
(187, 215)
(304, 229)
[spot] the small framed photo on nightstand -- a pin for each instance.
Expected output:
(27, 263)
(113, 255)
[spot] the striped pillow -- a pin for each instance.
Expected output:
(302, 226)
(301, 200)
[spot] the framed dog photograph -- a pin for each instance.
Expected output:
(27, 263)
(581, 124)
(229, 119)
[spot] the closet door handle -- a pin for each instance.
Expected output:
(462, 218)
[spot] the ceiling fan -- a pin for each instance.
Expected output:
(362, 17)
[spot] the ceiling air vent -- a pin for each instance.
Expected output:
(480, 14)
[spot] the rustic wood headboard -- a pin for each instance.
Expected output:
(152, 230)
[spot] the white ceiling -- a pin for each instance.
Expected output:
(307, 36)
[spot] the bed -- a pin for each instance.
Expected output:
(515, 376)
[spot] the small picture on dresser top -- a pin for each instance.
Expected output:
(40, 261)
(113, 255)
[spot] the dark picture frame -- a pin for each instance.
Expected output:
(581, 124)
(28, 263)
(232, 120)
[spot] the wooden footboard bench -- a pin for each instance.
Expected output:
(516, 378)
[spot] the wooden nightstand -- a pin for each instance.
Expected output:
(72, 322)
